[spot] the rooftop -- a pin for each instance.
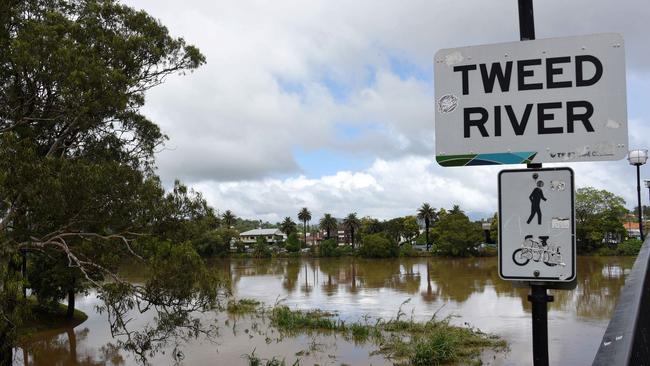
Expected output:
(261, 232)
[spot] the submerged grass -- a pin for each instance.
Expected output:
(438, 342)
(407, 342)
(243, 306)
(294, 320)
(254, 360)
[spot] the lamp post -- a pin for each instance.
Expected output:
(647, 185)
(638, 158)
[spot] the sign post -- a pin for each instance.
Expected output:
(537, 238)
(533, 102)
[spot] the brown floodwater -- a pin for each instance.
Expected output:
(468, 290)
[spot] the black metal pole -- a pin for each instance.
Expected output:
(526, 20)
(638, 195)
(648, 196)
(538, 297)
(539, 300)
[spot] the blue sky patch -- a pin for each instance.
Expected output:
(351, 132)
(290, 86)
(406, 69)
(319, 162)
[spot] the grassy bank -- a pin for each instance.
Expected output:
(39, 318)
(404, 341)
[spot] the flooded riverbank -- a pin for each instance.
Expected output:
(468, 290)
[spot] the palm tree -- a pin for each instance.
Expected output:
(228, 218)
(304, 215)
(429, 215)
(456, 210)
(351, 223)
(288, 226)
(328, 223)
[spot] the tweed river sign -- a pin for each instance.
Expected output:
(539, 101)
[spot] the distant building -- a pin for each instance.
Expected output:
(316, 238)
(313, 238)
(271, 235)
(632, 229)
(341, 236)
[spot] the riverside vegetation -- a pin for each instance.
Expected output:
(447, 232)
(400, 339)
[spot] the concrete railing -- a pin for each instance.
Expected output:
(627, 338)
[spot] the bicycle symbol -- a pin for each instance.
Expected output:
(537, 251)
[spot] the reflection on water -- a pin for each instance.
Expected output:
(50, 348)
(468, 289)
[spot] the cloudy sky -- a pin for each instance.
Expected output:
(329, 104)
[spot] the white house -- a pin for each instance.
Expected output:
(271, 235)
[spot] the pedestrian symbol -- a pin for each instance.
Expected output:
(535, 199)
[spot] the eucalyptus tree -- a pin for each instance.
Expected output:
(304, 215)
(455, 234)
(429, 215)
(77, 184)
(288, 226)
(352, 223)
(328, 223)
(411, 229)
(598, 212)
(228, 219)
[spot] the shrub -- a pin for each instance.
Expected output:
(345, 250)
(455, 235)
(241, 247)
(292, 244)
(215, 242)
(329, 248)
(407, 250)
(377, 246)
(629, 247)
(262, 249)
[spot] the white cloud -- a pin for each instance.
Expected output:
(394, 188)
(386, 189)
(234, 124)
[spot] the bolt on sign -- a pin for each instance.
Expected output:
(539, 101)
(537, 225)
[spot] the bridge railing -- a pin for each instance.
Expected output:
(627, 338)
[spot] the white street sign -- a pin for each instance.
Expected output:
(537, 225)
(538, 101)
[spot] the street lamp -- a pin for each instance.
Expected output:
(647, 185)
(638, 158)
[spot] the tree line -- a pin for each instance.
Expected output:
(600, 216)
(445, 232)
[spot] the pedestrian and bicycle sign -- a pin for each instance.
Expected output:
(536, 225)
(548, 100)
